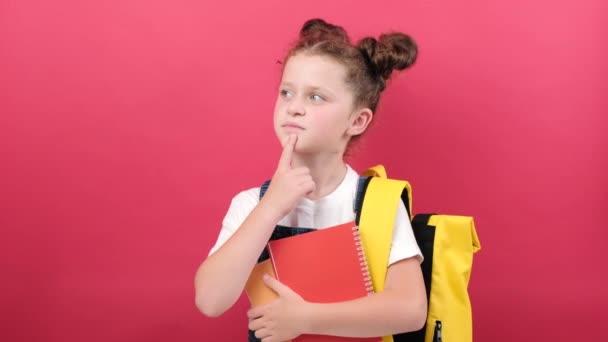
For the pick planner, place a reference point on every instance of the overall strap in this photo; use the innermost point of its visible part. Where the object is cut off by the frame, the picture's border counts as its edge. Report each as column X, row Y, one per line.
column 358, row 204
column 263, row 188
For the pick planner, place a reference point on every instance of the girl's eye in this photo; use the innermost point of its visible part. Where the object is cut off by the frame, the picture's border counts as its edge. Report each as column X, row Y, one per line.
column 285, row 93
column 316, row 98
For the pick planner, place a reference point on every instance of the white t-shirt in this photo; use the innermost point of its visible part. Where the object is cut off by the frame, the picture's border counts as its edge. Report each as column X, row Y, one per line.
column 333, row 209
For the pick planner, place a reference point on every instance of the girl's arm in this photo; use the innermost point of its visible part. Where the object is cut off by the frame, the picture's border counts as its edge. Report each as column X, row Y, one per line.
column 401, row 307
column 221, row 278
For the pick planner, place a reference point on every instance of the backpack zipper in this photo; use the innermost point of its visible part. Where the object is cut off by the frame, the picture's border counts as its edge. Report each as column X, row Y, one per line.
column 437, row 335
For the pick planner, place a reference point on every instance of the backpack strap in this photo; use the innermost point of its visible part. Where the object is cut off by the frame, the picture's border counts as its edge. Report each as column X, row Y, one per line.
column 375, row 171
column 376, row 207
column 380, row 172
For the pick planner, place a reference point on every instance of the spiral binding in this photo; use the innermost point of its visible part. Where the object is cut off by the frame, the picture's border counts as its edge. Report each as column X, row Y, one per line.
column 367, row 278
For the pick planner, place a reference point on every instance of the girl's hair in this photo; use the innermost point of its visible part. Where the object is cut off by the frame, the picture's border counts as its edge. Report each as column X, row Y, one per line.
column 369, row 63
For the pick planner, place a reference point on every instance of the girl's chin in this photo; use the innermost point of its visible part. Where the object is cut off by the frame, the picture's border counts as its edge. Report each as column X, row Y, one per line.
column 283, row 137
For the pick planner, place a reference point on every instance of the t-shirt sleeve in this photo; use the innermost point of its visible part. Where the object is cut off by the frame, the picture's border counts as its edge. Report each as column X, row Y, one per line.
column 240, row 207
column 404, row 243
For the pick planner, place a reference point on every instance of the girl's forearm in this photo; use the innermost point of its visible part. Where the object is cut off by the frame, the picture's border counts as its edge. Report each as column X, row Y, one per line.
column 385, row 313
column 221, row 278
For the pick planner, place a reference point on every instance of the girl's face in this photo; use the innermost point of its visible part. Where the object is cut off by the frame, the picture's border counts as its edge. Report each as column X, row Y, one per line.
column 314, row 103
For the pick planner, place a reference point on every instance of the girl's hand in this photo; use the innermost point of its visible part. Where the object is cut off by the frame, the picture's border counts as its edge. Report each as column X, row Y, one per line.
column 281, row 320
column 288, row 184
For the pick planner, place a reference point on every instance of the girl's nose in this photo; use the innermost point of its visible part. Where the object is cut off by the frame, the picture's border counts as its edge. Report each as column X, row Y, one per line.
column 296, row 107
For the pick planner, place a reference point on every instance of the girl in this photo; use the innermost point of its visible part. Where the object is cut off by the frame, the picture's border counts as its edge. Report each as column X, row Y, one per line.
column 327, row 98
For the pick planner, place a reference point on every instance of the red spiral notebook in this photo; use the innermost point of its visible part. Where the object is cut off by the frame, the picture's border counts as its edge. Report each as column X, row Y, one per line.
column 324, row 266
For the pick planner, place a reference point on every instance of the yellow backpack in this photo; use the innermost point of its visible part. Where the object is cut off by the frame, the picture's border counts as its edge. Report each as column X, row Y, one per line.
column 447, row 243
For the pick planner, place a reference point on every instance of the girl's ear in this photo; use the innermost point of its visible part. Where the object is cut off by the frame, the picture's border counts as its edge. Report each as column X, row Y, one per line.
column 360, row 120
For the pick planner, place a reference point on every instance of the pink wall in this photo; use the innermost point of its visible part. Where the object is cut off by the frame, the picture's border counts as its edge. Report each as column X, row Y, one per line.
column 127, row 126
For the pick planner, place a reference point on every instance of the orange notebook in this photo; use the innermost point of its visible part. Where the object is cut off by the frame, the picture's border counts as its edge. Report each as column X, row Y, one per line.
column 323, row 266
column 255, row 288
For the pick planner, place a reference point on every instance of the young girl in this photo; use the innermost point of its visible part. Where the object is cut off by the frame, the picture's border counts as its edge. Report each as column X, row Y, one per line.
column 327, row 97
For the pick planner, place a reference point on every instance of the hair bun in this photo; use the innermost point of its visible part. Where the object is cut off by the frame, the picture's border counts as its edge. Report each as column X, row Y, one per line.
column 392, row 51
column 320, row 30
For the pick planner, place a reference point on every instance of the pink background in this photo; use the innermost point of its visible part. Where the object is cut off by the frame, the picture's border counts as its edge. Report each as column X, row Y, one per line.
column 127, row 126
